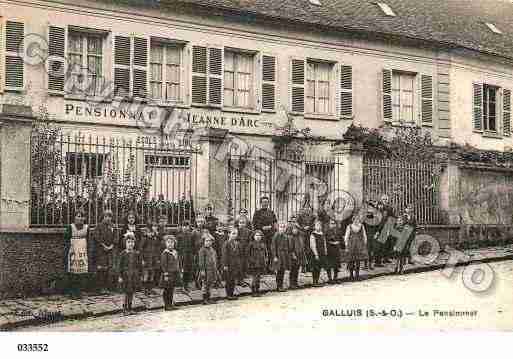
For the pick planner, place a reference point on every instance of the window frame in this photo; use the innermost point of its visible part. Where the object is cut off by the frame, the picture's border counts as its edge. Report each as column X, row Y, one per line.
column 333, row 90
column 416, row 97
column 253, row 95
column 85, row 36
column 181, row 46
column 486, row 107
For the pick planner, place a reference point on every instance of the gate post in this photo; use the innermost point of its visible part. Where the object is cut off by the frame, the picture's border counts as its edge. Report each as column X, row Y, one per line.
column 211, row 171
column 350, row 177
column 15, row 133
column 449, row 184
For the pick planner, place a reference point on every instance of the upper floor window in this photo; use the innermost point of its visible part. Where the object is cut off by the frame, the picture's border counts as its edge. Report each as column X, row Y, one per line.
column 490, row 108
column 238, row 79
column 166, row 72
column 403, row 85
column 318, row 87
column 85, row 54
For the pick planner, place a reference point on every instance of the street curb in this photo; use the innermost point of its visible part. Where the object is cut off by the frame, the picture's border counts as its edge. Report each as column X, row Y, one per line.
column 86, row 315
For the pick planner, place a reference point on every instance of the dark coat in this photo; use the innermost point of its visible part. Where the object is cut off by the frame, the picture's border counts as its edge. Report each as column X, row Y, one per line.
column 298, row 250
column 265, row 217
column 334, row 246
column 90, row 248
column 130, row 270
column 211, row 223
column 151, row 249
column 185, row 248
column 207, row 262
column 232, row 258
column 170, row 267
column 105, row 235
column 257, row 257
column 281, row 251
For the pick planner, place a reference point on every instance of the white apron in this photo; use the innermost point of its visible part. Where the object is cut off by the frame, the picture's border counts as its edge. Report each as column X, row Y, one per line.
column 77, row 259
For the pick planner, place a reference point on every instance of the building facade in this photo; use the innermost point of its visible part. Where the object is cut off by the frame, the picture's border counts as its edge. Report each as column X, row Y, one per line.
column 125, row 69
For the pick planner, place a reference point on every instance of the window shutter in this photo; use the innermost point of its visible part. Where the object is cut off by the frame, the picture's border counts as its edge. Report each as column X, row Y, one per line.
column 506, row 112
column 121, row 65
column 56, row 53
column 2, row 54
column 268, row 83
column 14, row 34
column 426, row 92
column 346, row 91
column 199, row 75
column 215, row 76
column 298, row 85
column 140, row 67
column 386, row 91
column 477, row 99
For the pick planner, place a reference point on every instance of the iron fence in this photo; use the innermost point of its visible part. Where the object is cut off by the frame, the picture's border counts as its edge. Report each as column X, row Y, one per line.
column 406, row 183
column 151, row 176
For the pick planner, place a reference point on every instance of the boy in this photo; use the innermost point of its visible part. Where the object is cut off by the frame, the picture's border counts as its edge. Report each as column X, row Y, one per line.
column 207, row 262
column 170, row 266
column 257, row 261
column 149, row 245
column 297, row 253
column 281, row 254
column 185, row 249
column 231, row 262
column 130, row 270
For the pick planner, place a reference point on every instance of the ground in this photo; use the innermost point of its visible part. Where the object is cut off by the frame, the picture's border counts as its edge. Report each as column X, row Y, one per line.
column 303, row 310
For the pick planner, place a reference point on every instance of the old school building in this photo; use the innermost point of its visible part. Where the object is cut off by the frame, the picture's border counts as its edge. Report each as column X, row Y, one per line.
column 113, row 71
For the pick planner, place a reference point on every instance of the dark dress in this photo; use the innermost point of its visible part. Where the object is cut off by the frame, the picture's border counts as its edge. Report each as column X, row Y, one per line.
column 356, row 247
column 262, row 218
column 244, row 239
column 150, row 247
column 281, row 251
column 207, row 261
column 232, row 258
column 104, row 235
column 185, row 248
column 130, row 270
column 333, row 249
column 298, row 250
column 220, row 238
column 170, row 266
column 257, row 257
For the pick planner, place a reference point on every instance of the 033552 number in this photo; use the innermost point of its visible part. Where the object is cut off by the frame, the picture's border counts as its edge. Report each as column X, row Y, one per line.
column 32, row 347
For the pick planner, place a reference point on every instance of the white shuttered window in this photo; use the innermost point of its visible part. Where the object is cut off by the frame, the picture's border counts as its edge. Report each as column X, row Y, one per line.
column 166, row 68
column 403, row 92
column 85, row 54
column 238, row 79
column 319, row 76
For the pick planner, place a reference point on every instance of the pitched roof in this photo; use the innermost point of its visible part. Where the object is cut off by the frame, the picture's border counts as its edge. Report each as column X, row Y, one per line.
column 459, row 23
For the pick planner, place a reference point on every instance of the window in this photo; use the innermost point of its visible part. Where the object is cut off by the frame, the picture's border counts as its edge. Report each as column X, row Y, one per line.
column 318, row 87
column 166, row 67
column 403, row 96
column 84, row 164
column 490, row 108
column 164, row 160
column 85, row 56
column 238, row 79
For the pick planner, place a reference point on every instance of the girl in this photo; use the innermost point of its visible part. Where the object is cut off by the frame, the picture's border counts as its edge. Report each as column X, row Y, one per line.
column 105, row 240
column 318, row 250
column 150, row 244
column 334, row 247
column 170, row 266
column 257, row 261
column 244, row 239
column 298, row 254
column 220, row 236
column 207, row 262
column 185, row 248
column 231, row 262
column 78, row 250
column 356, row 246
column 280, row 249
column 130, row 269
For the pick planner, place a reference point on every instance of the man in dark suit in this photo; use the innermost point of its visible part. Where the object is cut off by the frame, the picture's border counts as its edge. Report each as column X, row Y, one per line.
column 265, row 220
column 211, row 221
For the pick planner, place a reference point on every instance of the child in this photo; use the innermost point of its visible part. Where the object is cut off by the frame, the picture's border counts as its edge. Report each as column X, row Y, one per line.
column 231, row 262
column 244, row 238
column 257, row 261
column 220, row 236
column 170, row 266
column 130, row 269
column 334, row 238
column 401, row 248
column 78, row 253
column 319, row 251
column 159, row 246
column 149, row 245
column 297, row 253
column 131, row 226
column 281, row 254
column 185, row 249
column 356, row 246
column 105, row 239
column 207, row 262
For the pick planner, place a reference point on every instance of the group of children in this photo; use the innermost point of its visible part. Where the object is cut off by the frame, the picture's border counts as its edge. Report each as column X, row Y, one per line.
column 210, row 253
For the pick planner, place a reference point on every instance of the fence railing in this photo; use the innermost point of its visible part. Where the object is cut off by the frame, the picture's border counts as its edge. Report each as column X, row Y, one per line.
column 406, row 183
column 147, row 175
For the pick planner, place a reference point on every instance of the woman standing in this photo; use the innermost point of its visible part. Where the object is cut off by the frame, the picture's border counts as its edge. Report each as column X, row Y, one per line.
column 78, row 255
column 356, row 246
